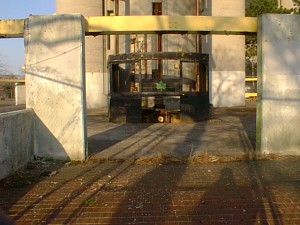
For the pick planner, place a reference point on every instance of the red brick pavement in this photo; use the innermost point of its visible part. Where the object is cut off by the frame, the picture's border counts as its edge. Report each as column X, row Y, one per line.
column 254, row 192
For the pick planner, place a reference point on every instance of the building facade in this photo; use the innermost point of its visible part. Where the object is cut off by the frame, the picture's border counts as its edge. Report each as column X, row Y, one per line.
column 227, row 53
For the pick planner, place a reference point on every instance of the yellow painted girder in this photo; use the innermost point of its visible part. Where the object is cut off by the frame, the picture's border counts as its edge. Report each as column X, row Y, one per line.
column 12, row 28
column 170, row 24
column 12, row 80
column 249, row 95
column 149, row 24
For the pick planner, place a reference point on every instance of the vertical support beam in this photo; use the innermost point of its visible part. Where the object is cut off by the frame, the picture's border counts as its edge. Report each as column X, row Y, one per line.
column 55, row 84
column 278, row 118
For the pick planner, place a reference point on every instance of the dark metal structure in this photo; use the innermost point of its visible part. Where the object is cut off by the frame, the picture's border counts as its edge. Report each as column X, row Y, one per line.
column 138, row 96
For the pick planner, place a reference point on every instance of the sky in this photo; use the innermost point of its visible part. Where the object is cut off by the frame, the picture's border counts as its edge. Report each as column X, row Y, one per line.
column 12, row 49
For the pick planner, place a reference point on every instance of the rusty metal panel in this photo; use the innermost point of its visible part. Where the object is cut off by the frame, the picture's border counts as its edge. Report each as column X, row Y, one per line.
column 125, row 109
column 194, row 107
column 130, row 57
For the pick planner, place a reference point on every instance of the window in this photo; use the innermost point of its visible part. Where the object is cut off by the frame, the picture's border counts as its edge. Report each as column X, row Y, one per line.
column 157, row 8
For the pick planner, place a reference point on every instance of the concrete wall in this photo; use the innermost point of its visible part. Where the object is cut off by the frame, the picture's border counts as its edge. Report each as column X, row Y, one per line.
column 55, row 84
column 227, row 57
column 20, row 94
column 278, row 118
column 286, row 3
column 95, row 61
column 16, row 141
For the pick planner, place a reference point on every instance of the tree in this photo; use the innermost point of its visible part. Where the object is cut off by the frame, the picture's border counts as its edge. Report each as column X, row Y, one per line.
column 258, row 7
column 3, row 67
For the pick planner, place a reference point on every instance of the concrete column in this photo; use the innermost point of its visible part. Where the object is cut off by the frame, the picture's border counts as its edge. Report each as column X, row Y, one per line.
column 227, row 57
column 55, row 84
column 95, row 50
column 278, row 108
column 20, row 94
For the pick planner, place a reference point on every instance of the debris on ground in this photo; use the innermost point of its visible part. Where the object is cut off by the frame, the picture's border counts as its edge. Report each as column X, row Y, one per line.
column 32, row 172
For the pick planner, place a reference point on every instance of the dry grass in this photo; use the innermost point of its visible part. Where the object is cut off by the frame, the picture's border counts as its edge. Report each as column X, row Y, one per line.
column 161, row 159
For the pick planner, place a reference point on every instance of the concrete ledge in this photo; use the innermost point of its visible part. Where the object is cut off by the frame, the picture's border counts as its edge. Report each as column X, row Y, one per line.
column 16, row 141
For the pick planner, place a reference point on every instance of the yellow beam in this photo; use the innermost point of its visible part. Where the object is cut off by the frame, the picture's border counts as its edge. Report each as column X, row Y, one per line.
column 12, row 80
column 251, row 79
column 149, row 24
column 170, row 24
column 248, row 95
column 12, row 28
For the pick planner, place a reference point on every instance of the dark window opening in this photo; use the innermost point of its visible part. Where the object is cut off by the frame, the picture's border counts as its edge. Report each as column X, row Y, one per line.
column 157, row 9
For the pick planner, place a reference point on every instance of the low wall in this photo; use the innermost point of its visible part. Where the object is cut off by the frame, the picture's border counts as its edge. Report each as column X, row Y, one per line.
column 20, row 94
column 16, row 141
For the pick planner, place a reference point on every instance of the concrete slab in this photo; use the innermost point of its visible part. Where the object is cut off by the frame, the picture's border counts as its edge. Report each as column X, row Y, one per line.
column 55, row 84
column 230, row 132
column 16, row 145
column 278, row 85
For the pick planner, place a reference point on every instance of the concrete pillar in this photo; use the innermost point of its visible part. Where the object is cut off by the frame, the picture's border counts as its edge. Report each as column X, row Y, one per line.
column 20, row 94
column 95, row 50
column 227, row 57
column 278, row 108
column 55, row 84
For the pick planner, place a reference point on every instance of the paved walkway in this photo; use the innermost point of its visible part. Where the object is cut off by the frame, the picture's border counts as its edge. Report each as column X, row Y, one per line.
column 229, row 133
column 160, row 174
column 245, row 192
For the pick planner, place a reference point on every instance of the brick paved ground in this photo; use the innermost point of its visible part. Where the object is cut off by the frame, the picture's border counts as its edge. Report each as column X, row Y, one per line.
column 245, row 192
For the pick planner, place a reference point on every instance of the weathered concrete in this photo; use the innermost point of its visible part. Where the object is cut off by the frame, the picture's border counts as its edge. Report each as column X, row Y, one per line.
column 227, row 57
column 230, row 133
column 95, row 53
column 278, row 119
column 54, row 46
column 16, row 141
column 20, row 94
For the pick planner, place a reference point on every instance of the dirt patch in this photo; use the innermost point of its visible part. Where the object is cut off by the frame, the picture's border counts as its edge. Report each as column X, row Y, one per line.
column 32, row 173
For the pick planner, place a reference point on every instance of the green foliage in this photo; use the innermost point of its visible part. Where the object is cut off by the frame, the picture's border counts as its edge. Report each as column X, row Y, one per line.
column 8, row 89
column 258, row 7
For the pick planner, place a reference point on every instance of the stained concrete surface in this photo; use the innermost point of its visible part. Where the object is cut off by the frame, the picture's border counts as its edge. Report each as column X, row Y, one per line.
column 229, row 132
column 9, row 105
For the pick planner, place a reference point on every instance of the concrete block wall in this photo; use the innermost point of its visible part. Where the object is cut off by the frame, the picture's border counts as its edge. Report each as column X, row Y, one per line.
column 95, row 56
column 20, row 94
column 227, row 57
column 278, row 118
column 55, row 84
column 16, row 141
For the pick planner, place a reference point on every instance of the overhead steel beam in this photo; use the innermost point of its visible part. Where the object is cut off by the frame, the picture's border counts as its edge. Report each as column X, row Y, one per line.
column 149, row 25
column 170, row 24
column 12, row 28
column 12, row 80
